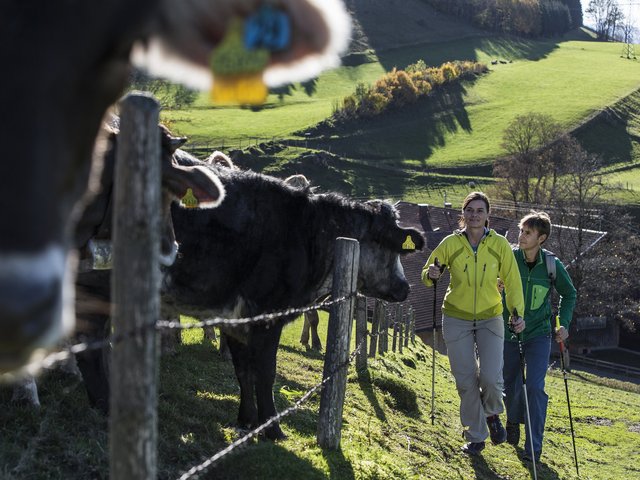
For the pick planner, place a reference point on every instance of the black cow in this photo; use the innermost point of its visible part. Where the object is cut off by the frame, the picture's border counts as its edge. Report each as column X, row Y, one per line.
column 64, row 64
column 269, row 247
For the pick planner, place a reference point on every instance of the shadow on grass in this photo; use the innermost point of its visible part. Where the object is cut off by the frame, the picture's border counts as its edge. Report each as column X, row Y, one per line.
column 413, row 131
column 544, row 471
column 267, row 459
column 340, row 468
column 499, row 48
column 365, row 381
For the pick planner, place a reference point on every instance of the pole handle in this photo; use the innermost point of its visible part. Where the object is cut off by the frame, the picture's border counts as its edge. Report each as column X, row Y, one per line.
column 558, row 326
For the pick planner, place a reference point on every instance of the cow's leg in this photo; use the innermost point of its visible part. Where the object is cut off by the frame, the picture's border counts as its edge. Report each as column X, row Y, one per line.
column 240, row 355
column 304, row 337
column 314, row 320
column 25, row 392
column 170, row 339
column 264, row 347
column 94, row 364
column 210, row 333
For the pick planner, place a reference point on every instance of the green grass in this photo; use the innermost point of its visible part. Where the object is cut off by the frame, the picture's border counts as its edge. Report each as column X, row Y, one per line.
column 457, row 130
column 386, row 433
column 570, row 80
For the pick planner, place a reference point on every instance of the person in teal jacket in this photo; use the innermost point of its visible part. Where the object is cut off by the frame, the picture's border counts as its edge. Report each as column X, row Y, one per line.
column 535, row 229
column 472, row 324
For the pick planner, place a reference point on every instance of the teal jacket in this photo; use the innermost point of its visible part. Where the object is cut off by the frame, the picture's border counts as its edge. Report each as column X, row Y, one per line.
column 537, row 297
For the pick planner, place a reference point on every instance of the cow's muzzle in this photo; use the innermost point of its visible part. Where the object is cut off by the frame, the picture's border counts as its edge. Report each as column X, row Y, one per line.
column 31, row 305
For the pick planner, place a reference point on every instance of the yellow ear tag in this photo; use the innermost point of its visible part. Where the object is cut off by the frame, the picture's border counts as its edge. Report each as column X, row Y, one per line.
column 189, row 200
column 237, row 71
column 408, row 244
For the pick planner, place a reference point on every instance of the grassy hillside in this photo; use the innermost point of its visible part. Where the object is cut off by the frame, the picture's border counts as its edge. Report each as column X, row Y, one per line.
column 572, row 79
column 387, row 432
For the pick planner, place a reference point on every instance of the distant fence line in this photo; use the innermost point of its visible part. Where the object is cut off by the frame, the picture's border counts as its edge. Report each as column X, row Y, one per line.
column 604, row 365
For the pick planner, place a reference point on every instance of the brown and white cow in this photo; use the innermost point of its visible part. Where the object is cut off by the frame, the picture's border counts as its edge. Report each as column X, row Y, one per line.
column 64, row 64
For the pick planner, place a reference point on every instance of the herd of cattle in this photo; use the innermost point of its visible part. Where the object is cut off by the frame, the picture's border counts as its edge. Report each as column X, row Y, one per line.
column 255, row 244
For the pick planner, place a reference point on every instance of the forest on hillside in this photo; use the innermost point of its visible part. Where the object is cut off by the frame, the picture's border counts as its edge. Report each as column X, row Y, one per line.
column 531, row 18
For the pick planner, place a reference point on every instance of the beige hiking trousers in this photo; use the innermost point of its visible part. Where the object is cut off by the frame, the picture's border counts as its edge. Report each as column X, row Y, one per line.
column 475, row 349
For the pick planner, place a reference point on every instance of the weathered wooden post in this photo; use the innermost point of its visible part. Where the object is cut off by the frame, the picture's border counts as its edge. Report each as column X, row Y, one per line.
column 361, row 333
column 135, row 283
column 384, row 330
column 400, row 322
column 412, row 323
column 406, row 320
column 395, row 336
column 376, row 321
column 345, row 277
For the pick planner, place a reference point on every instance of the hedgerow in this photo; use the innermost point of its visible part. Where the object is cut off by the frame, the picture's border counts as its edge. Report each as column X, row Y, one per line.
column 398, row 88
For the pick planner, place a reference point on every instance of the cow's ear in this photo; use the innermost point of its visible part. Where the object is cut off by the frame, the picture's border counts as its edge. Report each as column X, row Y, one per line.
column 176, row 143
column 170, row 142
column 194, row 186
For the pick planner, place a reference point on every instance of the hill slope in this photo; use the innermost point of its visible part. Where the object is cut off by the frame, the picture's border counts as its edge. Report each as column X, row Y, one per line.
column 570, row 78
column 387, row 433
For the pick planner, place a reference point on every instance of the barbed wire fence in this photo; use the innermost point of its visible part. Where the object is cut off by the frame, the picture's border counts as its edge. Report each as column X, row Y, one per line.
column 133, row 346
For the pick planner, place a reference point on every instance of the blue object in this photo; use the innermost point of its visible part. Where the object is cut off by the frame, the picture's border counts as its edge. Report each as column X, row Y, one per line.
column 536, row 354
column 268, row 28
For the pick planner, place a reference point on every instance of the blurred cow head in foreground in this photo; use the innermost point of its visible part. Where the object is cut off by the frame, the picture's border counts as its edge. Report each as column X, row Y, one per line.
column 65, row 64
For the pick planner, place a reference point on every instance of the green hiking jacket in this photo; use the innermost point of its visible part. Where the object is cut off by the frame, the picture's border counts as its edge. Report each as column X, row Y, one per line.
column 473, row 291
column 537, row 297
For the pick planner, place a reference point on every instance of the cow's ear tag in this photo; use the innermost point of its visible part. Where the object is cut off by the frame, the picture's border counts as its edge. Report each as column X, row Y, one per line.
column 268, row 28
column 408, row 244
column 189, row 200
column 237, row 70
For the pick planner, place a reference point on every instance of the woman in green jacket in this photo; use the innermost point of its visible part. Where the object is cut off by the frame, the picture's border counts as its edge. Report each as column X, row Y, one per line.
column 535, row 229
column 476, row 257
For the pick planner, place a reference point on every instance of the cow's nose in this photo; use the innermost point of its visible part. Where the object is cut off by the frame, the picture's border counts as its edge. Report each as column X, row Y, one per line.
column 28, row 310
column 401, row 291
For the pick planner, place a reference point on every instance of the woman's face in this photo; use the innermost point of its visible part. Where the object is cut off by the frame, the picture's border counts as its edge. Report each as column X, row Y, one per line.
column 475, row 214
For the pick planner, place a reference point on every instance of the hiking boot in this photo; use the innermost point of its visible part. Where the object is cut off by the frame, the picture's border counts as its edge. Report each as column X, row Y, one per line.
column 473, row 448
column 513, row 433
column 527, row 456
column 496, row 431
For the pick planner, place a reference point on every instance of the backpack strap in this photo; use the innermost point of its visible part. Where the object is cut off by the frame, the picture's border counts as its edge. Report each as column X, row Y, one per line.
column 550, row 262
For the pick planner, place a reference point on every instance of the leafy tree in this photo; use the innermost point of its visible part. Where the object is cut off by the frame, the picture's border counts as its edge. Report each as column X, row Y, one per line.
column 169, row 95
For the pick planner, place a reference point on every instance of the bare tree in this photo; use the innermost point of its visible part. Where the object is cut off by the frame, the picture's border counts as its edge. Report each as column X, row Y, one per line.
column 607, row 16
column 528, row 169
column 577, row 199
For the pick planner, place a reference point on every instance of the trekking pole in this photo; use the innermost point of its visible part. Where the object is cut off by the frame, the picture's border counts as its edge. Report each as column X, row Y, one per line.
column 566, row 389
column 526, row 397
column 433, row 355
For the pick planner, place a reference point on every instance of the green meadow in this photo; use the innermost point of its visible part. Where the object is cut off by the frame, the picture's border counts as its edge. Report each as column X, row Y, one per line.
column 457, row 130
column 387, row 431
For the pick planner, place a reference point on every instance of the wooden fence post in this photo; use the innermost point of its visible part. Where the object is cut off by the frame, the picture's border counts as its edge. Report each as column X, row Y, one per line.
column 135, row 283
column 400, row 322
column 384, row 329
column 376, row 321
column 406, row 321
column 412, row 323
column 345, row 277
column 395, row 336
column 361, row 333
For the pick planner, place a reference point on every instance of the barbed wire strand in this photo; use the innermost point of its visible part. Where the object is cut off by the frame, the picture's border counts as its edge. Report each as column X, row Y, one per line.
column 198, row 469
column 51, row 359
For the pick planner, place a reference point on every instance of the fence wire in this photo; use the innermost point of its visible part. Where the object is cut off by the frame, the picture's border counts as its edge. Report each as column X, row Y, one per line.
column 198, row 469
column 62, row 355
